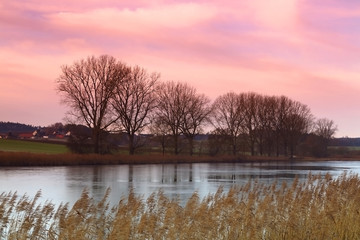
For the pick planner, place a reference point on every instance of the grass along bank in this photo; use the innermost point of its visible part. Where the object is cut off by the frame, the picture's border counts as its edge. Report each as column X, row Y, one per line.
column 32, row 153
column 320, row 208
column 71, row 159
column 17, row 159
column 11, row 145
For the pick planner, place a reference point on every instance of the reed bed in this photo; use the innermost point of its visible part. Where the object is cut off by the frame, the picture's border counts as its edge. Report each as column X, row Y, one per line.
column 319, row 208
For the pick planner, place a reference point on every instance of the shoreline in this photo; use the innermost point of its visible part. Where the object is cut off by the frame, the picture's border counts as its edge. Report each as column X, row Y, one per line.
column 24, row 159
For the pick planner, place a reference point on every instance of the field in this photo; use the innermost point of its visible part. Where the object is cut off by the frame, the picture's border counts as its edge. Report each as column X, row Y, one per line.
column 33, row 153
column 349, row 148
column 9, row 145
column 320, row 208
column 349, row 151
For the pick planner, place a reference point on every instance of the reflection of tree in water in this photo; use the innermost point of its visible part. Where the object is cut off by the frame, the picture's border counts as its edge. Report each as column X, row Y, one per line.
column 191, row 173
column 97, row 179
column 97, row 187
column 266, row 172
column 131, row 172
column 175, row 173
column 162, row 173
column 84, row 178
column 145, row 179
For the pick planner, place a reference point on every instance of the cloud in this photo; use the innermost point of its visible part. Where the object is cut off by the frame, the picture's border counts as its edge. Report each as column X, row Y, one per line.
column 140, row 20
column 290, row 47
column 52, row 6
column 276, row 14
column 28, row 88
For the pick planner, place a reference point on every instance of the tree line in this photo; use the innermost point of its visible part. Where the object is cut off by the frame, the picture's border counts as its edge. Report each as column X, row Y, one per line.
column 108, row 95
column 12, row 127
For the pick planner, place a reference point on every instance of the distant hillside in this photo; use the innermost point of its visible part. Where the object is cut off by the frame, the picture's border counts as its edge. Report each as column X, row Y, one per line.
column 6, row 127
column 353, row 142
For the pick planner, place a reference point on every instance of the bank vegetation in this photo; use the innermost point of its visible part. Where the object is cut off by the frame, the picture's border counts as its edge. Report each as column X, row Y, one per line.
column 23, row 159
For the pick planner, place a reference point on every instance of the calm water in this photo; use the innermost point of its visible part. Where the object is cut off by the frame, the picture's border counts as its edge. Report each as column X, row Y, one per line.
column 65, row 184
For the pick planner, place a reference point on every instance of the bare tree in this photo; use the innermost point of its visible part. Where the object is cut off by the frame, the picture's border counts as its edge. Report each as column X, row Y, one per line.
column 282, row 106
column 173, row 100
column 262, row 120
column 228, row 117
column 161, row 133
column 297, row 122
column 133, row 102
column 325, row 128
column 252, row 102
column 264, row 133
column 87, row 87
column 196, row 115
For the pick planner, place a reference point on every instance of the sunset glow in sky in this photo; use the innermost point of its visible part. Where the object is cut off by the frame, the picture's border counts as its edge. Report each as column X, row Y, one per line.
column 308, row 50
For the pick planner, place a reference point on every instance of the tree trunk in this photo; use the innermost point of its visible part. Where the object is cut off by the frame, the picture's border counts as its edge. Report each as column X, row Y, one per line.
column 176, row 144
column 277, row 145
column 261, row 149
column 269, row 147
column 131, row 144
column 292, row 151
column 260, row 144
column 234, row 146
column 96, row 140
column 163, row 144
column 191, row 145
column 285, row 149
column 252, row 147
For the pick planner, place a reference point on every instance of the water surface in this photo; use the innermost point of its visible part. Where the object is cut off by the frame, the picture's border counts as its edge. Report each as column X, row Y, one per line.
column 65, row 184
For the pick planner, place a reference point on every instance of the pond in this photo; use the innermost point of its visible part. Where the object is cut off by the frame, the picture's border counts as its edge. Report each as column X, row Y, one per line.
column 65, row 184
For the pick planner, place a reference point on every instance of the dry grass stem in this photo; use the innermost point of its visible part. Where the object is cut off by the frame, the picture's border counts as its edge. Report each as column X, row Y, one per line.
column 319, row 208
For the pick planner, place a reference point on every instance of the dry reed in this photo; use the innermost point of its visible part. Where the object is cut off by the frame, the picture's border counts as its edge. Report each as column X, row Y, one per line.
column 320, row 208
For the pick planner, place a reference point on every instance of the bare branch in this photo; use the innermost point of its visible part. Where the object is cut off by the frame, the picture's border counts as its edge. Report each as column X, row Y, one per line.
column 87, row 87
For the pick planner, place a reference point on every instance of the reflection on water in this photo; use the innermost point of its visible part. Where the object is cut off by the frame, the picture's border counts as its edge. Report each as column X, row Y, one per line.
column 65, row 184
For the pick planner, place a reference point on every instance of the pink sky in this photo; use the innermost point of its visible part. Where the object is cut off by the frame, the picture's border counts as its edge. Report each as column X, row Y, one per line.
column 306, row 50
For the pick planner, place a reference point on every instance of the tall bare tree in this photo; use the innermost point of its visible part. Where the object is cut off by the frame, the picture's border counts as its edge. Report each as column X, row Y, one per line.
column 252, row 102
column 196, row 116
column 282, row 107
column 161, row 132
column 325, row 128
column 173, row 99
column 133, row 102
column 87, row 87
column 228, row 117
column 267, row 124
column 297, row 122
